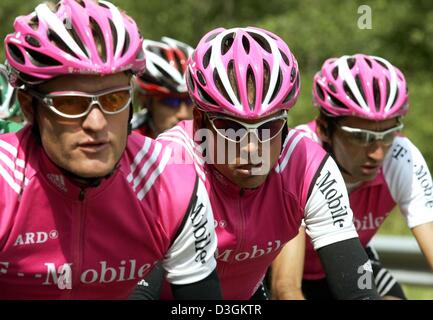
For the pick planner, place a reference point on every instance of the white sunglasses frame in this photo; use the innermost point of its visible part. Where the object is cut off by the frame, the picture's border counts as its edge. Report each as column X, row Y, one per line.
column 248, row 126
column 378, row 135
column 47, row 100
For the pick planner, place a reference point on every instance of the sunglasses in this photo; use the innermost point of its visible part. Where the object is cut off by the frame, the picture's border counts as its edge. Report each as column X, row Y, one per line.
column 365, row 138
column 175, row 102
column 76, row 104
column 235, row 130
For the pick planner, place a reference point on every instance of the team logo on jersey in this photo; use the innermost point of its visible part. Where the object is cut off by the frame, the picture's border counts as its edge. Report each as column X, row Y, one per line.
column 37, row 237
column 368, row 222
column 426, row 184
column 255, row 252
column 201, row 233
column 333, row 198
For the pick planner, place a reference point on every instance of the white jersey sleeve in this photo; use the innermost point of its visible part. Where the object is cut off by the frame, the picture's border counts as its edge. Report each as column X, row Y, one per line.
column 328, row 217
column 409, row 181
column 191, row 256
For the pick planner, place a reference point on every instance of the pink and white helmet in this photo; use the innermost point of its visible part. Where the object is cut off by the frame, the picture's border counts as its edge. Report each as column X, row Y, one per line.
column 244, row 72
column 362, row 86
column 77, row 36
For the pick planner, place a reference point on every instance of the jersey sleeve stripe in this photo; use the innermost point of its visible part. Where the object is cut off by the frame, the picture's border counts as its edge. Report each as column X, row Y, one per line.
column 181, row 139
column 8, row 178
column 140, row 155
column 289, row 152
column 180, row 132
column 147, row 165
column 9, row 148
column 193, row 156
column 155, row 174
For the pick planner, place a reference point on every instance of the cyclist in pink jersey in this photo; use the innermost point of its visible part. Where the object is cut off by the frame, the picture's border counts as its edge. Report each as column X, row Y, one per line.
column 161, row 90
column 242, row 82
column 362, row 100
column 85, row 208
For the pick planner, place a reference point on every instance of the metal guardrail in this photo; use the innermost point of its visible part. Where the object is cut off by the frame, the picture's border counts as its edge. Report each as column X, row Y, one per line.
column 403, row 258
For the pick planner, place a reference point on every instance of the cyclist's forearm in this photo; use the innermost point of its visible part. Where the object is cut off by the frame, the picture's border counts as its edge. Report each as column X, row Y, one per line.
column 348, row 270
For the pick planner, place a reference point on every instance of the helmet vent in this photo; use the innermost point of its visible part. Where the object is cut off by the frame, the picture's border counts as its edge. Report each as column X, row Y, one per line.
column 293, row 74
column 332, row 87
column 41, row 60
column 32, row 41
column 103, row 5
column 351, row 62
column 287, row 62
column 98, row 37
column 34, row 23
column 232, row 77
column 381, row 63
column 251, row 88
column 113, row 33
column 246, row 44
column 320, row 92
column 81, row 3
column 349, row 92
column 292, row 92
column 368, row 61
column 395, row 98
column 77, row 39
column 190, row 81
column 261, row 41
column 336, row 102
column 266, row 79
column 335, row 73
column 205, row 96
column 201, row 78
column 220, row 86
column 361, row 88
column 59, row 43
column 227, row 43
column 206, row 58
column 126, row 44
column 16, row 53
column 376, row 91
column 277, row 85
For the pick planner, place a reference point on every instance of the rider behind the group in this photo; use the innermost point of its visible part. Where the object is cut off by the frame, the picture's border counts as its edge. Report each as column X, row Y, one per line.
column 362, row 100
column 161, row 91
column 10, row 114
column 243, row 81
column 87, row 209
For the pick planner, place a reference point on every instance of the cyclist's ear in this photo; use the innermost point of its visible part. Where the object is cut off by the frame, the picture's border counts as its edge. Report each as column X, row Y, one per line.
column 323, row 131
column 27, row 105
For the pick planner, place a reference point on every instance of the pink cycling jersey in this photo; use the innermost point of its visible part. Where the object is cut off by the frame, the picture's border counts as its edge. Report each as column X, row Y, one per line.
column 59, row 241
column 404, row 180
column 253, row 225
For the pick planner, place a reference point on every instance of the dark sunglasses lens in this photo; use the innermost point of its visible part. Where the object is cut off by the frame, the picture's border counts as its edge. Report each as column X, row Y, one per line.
column 115, row 101
column 171, row 102
column 71, row 105
column 230, row 129
column 270, row 129
column 175, row 102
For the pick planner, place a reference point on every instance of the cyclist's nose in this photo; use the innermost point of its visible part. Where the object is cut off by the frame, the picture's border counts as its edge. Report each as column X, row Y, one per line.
column 250, row 144
column 377, row 151
column 95, row 119
column 184, row 112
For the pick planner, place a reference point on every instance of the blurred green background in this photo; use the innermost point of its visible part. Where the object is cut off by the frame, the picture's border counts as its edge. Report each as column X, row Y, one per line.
column 401, row 31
